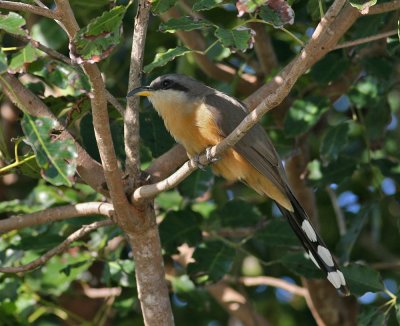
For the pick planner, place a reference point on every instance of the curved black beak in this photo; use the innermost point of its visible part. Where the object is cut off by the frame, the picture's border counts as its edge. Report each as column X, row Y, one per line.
column 140, row 91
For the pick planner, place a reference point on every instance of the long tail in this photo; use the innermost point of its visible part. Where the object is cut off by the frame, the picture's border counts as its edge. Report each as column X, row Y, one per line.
column 314, row 245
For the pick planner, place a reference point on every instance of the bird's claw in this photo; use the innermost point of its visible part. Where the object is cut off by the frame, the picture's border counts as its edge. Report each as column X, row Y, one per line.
column 209, row 157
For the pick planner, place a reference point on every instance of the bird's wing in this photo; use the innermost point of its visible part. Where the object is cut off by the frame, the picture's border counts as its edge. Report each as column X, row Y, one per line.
column 255, row 146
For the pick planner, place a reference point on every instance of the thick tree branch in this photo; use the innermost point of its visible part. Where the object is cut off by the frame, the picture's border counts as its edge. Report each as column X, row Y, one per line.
column 101, row 125
column 57, row 250
column 384, row 7
column 131, row 117
column 18, row 6
column 89, row 170
column 56, row 214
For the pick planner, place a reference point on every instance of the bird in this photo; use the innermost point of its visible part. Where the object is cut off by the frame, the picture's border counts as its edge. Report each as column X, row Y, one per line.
column 199, row 117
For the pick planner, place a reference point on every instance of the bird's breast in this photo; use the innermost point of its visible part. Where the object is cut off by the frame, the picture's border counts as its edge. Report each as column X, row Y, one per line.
column 193, row 127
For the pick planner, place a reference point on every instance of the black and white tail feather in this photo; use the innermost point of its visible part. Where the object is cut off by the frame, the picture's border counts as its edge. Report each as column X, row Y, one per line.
column 313, row 244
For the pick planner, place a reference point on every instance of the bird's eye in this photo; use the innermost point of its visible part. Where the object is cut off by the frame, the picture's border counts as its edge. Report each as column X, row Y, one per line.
column 166, row 83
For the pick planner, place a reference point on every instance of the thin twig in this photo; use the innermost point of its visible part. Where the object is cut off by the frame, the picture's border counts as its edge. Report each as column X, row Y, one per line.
column 366, row 40
column 57, row 250
column 387, row 265
column 275, row 282
column 56, row 214
column 18, row 6
column 341, row 221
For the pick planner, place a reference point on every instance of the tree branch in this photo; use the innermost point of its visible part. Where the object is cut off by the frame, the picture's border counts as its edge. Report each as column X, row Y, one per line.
column 384, row 7
column 56, row 214
column 18, row 6
column 236, row 304
column 57, row 250
column 101, row 125
column 131, row 117
column 275, row 282
column 366, row 40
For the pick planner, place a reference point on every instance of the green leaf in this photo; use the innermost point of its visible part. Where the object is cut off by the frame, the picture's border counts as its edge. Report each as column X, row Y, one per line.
column 153, row 133
column 237, row 213
column 183, row 24
column 161, row 59
column 376, row 121
column 335, row 172
column 348, row 240
column 19, row 61
column 197, row 184
column 56, row 157
column 248, row 6
column 213, row 259
column 370, row 316
column 160, row 6
column 398, row 313
column 235, row 39
column 330, row 68
column 298, row 264
column 304, row 114
column 12, row 23
column 278, row 13
column 333, row 141
column 278, row 233
column 178, row 228
column 96, row 41
column 363, row 5
column 362, row 279
column 3, row 62
column 206, row 4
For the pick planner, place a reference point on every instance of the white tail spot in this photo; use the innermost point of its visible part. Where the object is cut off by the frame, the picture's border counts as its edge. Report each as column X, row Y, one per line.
column 313, row 259
column 334, row 278
column 325, row 255
column 309, row 230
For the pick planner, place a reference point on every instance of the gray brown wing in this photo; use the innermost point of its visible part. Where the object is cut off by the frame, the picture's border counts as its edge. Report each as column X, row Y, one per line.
column 255, row 146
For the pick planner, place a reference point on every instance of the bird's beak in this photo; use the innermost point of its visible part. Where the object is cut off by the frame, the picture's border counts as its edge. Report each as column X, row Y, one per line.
column 140, row 91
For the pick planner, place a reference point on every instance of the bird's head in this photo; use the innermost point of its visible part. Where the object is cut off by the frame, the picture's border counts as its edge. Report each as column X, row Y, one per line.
column 173, row 90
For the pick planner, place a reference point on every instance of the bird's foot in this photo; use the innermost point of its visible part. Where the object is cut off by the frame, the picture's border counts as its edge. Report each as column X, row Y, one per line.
column 210, row 159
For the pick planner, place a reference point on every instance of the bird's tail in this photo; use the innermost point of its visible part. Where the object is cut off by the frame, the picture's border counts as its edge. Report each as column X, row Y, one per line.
column 313, row 244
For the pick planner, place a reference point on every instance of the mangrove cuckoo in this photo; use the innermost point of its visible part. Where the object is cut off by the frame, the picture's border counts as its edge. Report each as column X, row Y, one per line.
column 199, row 117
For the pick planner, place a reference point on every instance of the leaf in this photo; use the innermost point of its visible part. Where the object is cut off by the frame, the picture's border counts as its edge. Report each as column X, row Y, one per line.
column 335, row 172
column 278, row 13
column 213, row 259
column 56, row 157
column 376, row 121
column 160, row 6
column 20, row 61
column 348, row 240
column 153, row 133
column 96, row 41
column 235, row 39
column 398, row 313
column 180, row 227
column 333, row 141
column 3, row 62
column 277, row 233
column 197, row 184
column 362, row 279
column 304, row 114
column 237, row 213
column 370, row 316
column 298, row 264
column 206, row 4
column 362, row 5
column 248, row 6
column 330, row 68
column 183, row 24
column 12, row 23
column 161, row 59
